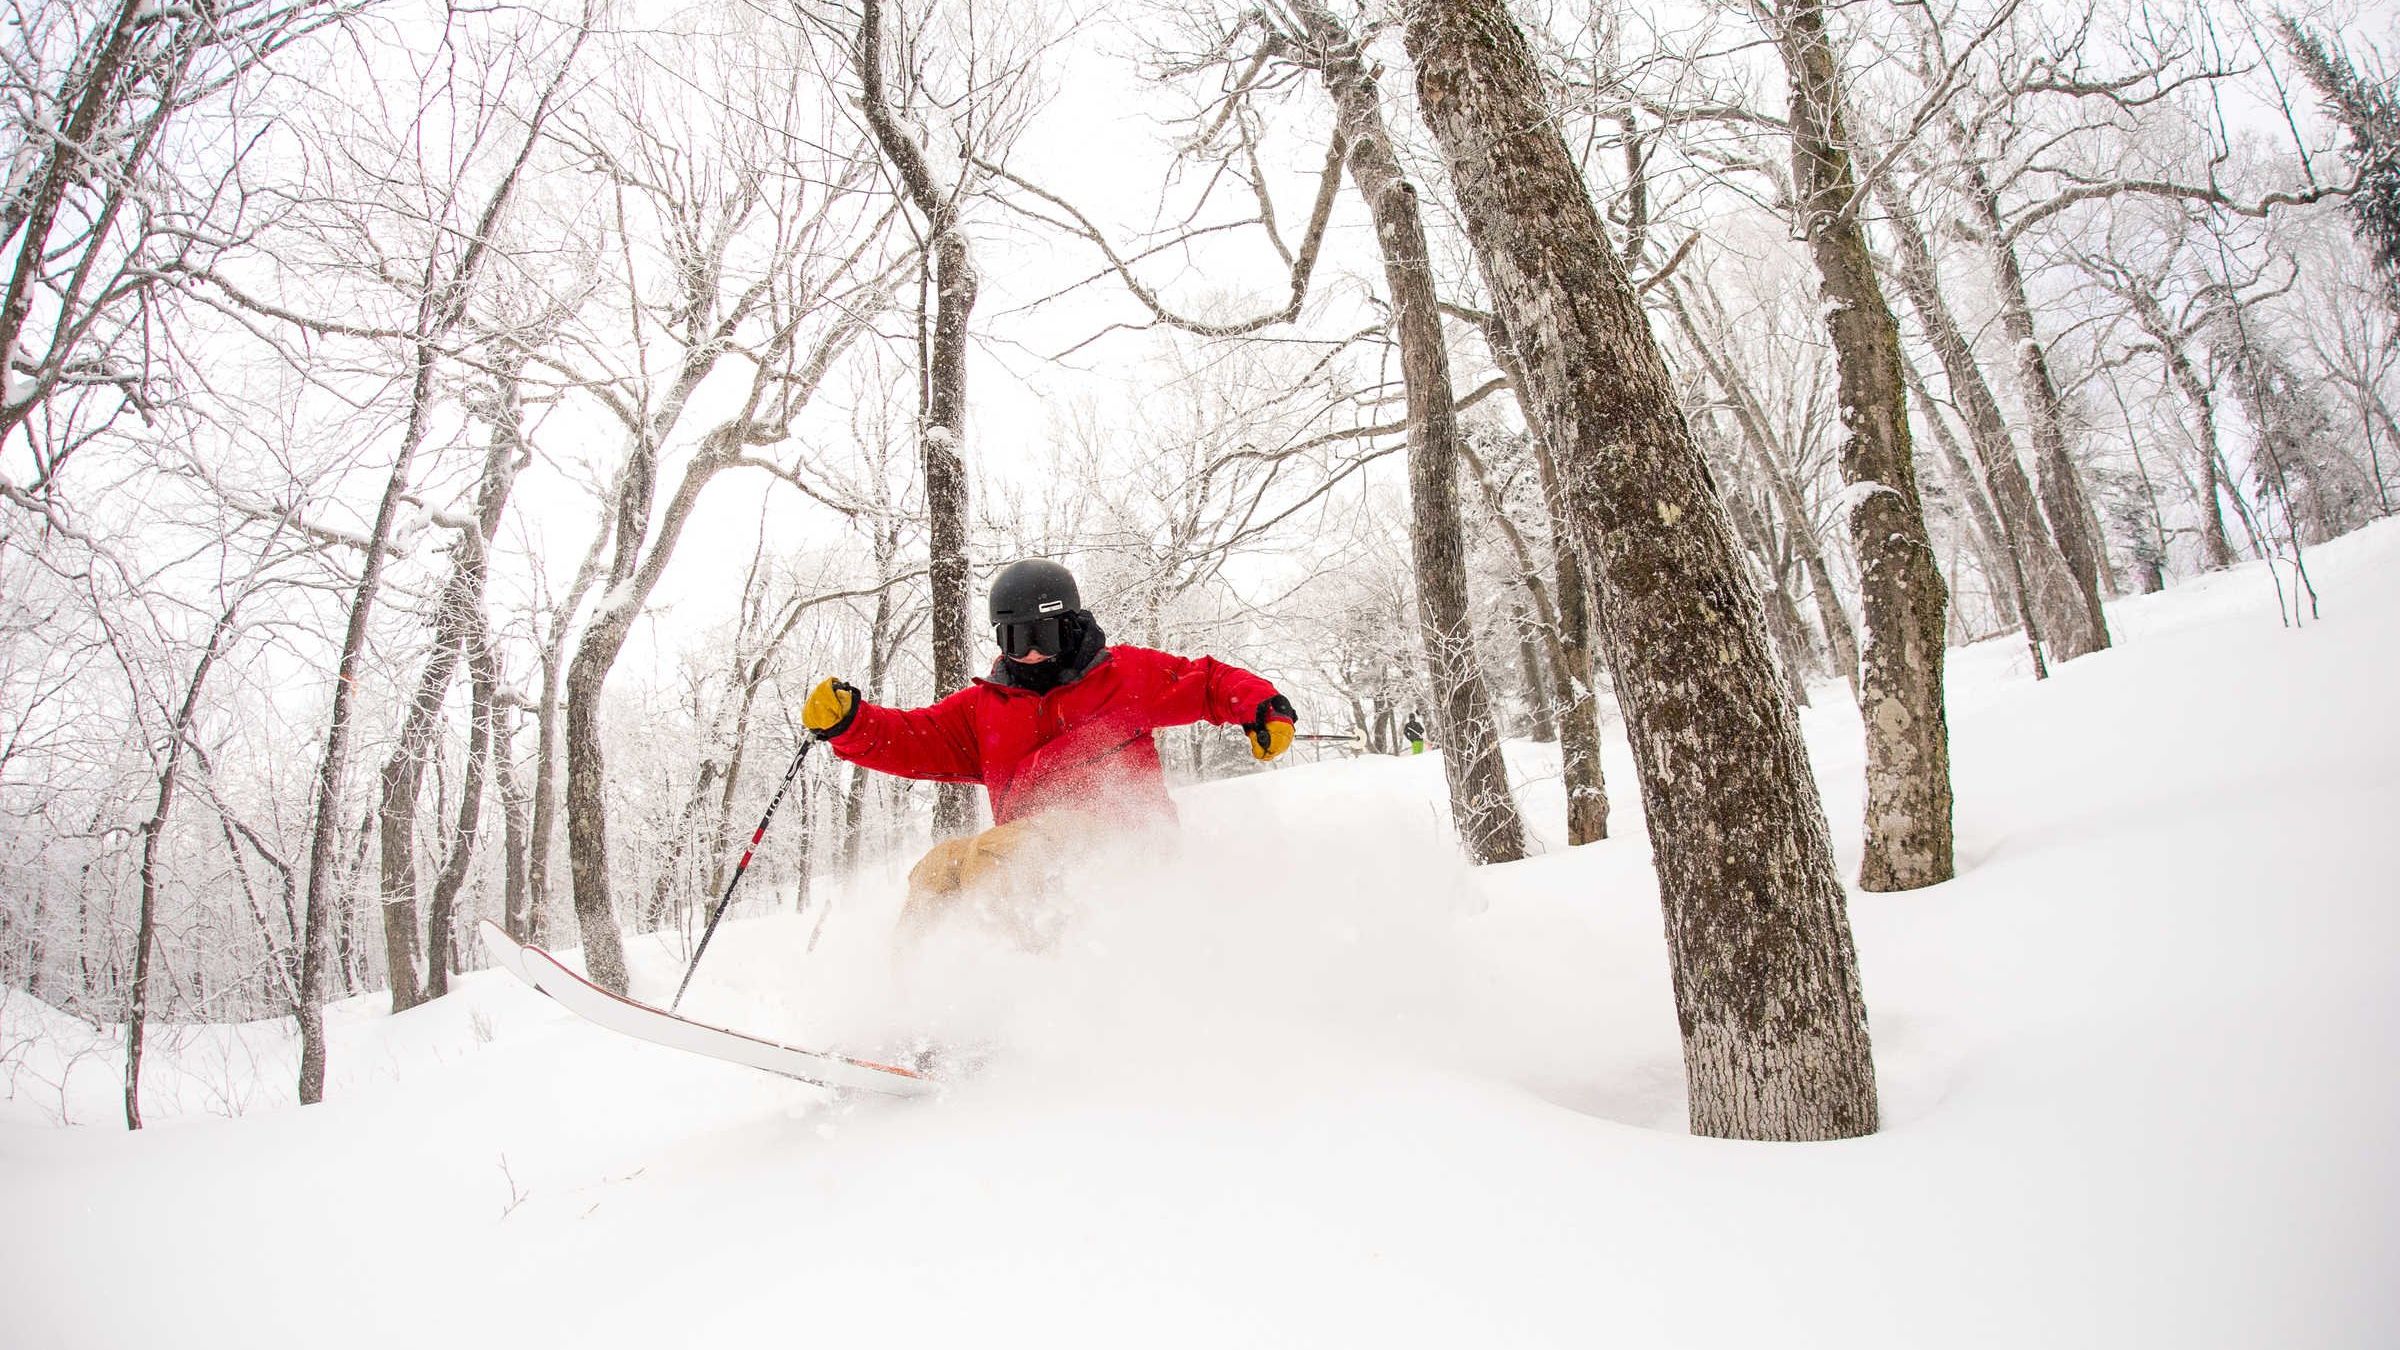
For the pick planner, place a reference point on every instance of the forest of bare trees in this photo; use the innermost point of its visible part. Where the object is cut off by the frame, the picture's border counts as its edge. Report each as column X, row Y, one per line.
column 441, row 446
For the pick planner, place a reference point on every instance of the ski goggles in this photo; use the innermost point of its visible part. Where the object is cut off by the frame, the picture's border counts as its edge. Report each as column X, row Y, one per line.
column 1025, row 637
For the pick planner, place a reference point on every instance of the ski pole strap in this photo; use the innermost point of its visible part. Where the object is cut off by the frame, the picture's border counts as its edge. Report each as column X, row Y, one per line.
column 807, row 743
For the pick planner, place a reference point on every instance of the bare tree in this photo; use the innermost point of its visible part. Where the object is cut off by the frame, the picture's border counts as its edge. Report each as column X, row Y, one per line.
column 549, row 723
column 445, row 286
column 170, row 761
column 1909, row 842
column 101, row 218
column 1766, row 978
column 1768, row 462
column 2144, row 293
column 1487, row 818
column 2054, row 603
column 985, row 124
column 808, row 280
column 460, row 633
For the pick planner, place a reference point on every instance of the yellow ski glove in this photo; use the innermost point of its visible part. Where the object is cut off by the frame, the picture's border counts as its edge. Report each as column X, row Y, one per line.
column 829, row 709
column 1271, row 729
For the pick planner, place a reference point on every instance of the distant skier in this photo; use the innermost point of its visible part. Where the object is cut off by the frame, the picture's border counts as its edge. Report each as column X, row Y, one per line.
column 1413, row 731
column 1059, row 735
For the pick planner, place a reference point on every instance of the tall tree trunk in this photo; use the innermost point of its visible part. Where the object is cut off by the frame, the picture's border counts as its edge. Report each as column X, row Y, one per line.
column 1766, row 978
column 396, row 815
column 1578, row 699
column 854, row 804
column 943, row 439
column 1572, row 660
column 1909, row 842
column 145, row 937
column 639, row 559
column 2069, row 509
column 2055, row 608
column 945, row 469
column 441, row 926
column 1487, row 817
column 458, row 629
column 549, row 726
column 1541, row 720
column 632, row 576
column 443, row 303
column 334, row 762
column 587, row 813
column 351, row 968
column 516, row 842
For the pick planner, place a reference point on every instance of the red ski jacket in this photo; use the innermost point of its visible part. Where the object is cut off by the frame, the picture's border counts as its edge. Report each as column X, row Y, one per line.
column 1085, row 744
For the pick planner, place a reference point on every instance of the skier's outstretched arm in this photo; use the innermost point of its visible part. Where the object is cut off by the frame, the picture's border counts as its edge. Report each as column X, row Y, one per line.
column 1204, row 689
column 937, row 742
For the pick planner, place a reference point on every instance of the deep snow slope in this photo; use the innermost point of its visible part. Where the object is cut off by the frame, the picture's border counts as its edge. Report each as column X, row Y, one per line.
column 1303, row 1079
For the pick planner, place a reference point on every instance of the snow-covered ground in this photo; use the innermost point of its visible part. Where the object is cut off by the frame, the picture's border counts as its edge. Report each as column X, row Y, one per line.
column 1306, row 1080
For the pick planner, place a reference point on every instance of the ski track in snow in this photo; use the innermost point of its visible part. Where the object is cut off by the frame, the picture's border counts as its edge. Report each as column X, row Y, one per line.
column 1304, row 1080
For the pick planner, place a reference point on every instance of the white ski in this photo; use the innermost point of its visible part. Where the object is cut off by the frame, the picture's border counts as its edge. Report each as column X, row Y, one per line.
column 660, row 1027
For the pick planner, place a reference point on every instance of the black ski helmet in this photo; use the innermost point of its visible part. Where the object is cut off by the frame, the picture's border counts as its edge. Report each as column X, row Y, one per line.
column 1035, row 588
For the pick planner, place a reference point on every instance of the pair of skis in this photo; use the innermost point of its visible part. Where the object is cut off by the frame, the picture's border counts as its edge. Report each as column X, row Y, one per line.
column 629, row 1017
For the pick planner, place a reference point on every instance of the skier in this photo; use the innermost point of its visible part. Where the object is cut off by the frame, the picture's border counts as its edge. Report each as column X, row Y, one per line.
column 1059, row 735
column 1414, row 733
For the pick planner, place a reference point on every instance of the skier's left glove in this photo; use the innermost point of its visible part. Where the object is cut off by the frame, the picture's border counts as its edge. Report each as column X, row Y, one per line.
column 831, row 707
column 1271, row 728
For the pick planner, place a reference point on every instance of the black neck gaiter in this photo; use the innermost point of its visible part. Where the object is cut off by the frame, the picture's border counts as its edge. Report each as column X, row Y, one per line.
column 1084, row 643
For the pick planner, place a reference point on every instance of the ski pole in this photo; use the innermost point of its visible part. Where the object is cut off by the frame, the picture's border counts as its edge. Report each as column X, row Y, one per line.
column 807, row 743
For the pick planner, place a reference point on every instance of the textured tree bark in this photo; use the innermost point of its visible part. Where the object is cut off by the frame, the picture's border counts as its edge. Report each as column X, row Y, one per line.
column 2055, row 599
column 549, row 728
column 441, row 950
column 1903, row 602
column 2069, row 509
column 1469, row 730
column 945, row 468
column 587, row 815
column 943, row 441
column 1572, row 662
column 396, row 813
column 1579, row 700
column 1766, row 978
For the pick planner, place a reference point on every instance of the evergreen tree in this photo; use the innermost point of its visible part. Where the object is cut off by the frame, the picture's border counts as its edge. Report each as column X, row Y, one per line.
column 2370, row 110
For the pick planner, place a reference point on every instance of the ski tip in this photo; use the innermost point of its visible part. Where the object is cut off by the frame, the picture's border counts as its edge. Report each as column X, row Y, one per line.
column 506, row 952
